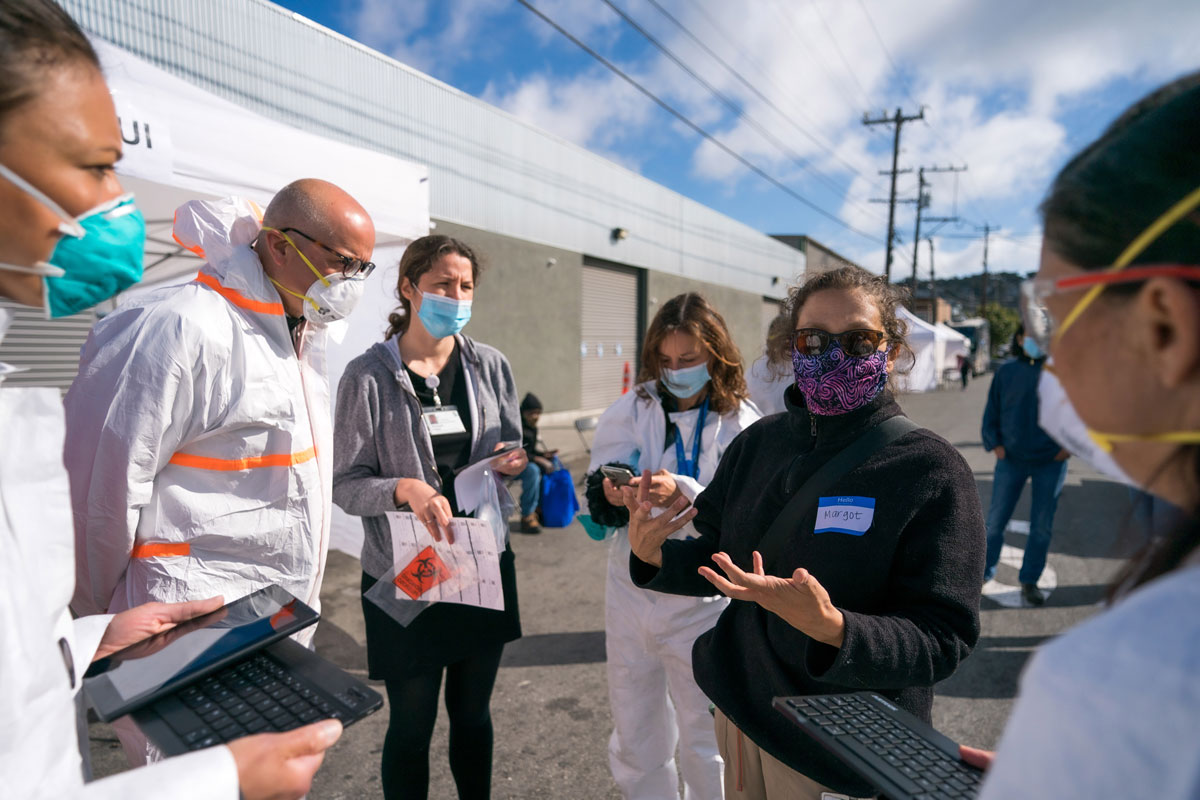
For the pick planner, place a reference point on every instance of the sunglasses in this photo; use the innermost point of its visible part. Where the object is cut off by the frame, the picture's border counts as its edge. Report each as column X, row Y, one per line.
column 351, row 267
column 859, row 343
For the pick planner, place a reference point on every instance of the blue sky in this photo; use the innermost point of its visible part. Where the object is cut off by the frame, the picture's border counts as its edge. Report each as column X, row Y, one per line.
column 1011, row 89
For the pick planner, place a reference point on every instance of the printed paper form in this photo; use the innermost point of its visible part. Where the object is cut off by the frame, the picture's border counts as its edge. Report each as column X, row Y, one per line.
column 466, row 572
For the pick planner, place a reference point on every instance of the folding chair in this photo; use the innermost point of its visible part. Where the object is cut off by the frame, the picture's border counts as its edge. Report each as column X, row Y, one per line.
column 583, row 425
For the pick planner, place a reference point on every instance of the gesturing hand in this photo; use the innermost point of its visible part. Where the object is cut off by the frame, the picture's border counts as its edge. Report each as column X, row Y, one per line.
column 646, row 533
column 141, row 622
column 800, row 600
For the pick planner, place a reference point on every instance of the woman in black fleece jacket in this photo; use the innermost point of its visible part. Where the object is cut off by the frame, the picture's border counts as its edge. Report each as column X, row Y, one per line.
column 902, row 604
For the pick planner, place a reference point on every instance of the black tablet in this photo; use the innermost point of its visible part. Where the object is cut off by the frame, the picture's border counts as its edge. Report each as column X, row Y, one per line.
column 141, row 673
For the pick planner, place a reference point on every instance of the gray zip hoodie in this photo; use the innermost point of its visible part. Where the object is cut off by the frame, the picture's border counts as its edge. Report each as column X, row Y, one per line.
column 379, row 435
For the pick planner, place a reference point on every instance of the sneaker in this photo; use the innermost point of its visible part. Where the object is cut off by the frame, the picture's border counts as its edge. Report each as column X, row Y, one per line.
column 1032, row 595
column 530, row 524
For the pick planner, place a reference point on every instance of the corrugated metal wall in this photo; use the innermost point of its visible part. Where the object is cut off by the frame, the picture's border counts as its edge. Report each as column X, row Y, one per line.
column 609, row 306
column 46, row 350
column 488, row 169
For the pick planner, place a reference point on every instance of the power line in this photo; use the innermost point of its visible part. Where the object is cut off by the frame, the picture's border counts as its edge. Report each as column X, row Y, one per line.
column 833, row 41
column 726, row 101
column 828, row 148
column 688, row 122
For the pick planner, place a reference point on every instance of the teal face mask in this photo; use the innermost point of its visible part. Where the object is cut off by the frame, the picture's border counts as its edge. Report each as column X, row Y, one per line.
column 443, row 316
column 99, row 254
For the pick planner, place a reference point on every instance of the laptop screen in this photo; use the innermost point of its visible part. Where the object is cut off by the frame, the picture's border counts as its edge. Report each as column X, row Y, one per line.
column 143, row 672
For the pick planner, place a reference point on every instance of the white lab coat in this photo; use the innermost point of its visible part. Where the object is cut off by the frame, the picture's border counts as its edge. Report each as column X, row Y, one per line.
column 766, row 388
column 39, row 740
column 200, row 445
column 649, row 635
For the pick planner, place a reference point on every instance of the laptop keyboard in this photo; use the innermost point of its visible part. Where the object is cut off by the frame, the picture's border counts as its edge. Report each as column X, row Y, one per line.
column 255, row 696
column 926, row 772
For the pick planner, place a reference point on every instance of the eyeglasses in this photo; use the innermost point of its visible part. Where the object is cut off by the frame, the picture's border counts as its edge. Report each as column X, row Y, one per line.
column 1041, row 324
column 814, row 341
column 351, row 267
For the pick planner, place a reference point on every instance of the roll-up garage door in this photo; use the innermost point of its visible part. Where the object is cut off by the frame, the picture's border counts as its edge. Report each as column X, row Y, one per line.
column 609, row 348
column 47, row 350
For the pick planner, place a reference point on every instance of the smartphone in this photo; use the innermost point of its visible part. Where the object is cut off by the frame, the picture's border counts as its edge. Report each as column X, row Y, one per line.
column 618, row 475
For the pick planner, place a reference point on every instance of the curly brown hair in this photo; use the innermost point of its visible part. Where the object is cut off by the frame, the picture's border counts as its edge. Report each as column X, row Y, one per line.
column 888, row 298
column 419, row 257
column 690, row 313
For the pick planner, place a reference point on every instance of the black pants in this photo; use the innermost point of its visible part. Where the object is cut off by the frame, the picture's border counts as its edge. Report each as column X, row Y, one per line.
column 413, row 704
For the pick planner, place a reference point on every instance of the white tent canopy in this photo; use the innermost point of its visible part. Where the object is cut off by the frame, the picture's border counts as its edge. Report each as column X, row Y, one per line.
column 183, row 143
column 935, row 349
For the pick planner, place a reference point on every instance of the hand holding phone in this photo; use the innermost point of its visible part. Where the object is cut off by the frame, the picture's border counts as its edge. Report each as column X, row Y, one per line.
column 619, row 476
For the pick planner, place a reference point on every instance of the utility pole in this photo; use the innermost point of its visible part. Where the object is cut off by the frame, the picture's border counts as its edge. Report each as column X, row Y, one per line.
column 932, row 285
column 987, row 229
column 922, row 203
column 898, row 121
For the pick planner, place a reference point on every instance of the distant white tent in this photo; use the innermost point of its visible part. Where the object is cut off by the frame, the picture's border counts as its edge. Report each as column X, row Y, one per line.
column 935, row 349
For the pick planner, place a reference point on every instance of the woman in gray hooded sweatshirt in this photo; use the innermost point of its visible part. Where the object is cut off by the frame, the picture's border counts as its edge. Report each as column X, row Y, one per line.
column 410, row 411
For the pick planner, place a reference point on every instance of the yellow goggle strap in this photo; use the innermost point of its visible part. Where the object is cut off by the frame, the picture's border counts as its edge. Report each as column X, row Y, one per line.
column 316, row 271
column 303, row 297
column 1135, row 248
column 1106, row 440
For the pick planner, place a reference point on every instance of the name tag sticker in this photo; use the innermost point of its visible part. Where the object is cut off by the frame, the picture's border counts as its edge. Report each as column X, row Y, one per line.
column 443, row 420
column 852, row 515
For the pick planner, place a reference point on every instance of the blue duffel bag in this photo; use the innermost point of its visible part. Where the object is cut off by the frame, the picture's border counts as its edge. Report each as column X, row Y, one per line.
column 559, row 503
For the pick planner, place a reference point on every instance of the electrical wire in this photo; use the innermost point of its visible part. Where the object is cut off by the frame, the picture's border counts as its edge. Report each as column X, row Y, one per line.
column 812, row 137
column 695, row 127
column 731, row 105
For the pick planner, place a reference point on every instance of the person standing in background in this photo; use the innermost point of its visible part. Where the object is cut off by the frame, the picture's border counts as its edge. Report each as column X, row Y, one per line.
column 1024, row 452
column 771, row 374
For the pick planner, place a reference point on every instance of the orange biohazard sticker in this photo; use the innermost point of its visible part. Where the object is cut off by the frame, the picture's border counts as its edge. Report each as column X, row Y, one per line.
column 423, row 573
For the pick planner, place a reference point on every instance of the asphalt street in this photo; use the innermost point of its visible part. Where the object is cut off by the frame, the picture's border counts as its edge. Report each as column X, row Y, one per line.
column 550, row 705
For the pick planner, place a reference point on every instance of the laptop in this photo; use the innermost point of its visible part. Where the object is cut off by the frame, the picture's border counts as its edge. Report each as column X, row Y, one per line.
column 898, row 754
column 227, row 674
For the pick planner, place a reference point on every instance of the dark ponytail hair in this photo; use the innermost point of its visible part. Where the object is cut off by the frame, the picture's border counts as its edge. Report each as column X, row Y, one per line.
column 36, row 36
column 419, row 257
column 1146, row 161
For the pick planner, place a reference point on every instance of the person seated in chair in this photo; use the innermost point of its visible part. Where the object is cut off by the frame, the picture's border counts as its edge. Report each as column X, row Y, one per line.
column 540, row 461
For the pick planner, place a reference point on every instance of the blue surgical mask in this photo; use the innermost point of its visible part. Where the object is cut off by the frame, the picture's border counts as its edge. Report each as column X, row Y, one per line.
column 1030, row 346
column 443, row 316
column 99, row 254
column 685, row 382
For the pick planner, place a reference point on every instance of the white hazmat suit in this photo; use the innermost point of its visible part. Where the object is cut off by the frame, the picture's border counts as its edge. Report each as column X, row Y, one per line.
column 43, row 652
column 200, row 439
column 655, row 701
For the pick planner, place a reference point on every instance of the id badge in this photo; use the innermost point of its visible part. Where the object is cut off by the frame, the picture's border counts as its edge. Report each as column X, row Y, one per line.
column 442, row 420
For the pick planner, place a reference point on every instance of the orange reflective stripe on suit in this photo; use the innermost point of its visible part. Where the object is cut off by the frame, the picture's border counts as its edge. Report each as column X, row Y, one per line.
column 239, row 464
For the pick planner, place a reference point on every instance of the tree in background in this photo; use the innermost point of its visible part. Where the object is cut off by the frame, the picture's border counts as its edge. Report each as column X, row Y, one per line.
column 1002, row 323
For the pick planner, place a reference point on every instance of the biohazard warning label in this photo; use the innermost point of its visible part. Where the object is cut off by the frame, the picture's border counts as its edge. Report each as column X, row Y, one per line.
column 423, row 573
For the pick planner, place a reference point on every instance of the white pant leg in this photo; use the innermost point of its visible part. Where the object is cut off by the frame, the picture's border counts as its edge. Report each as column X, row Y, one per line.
column 699, row 757
column 641, row 751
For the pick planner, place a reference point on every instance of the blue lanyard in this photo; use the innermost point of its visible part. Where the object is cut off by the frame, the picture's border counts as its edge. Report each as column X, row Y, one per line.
column 691, row 469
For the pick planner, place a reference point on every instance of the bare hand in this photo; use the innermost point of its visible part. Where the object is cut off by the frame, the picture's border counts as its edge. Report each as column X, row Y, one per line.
column 1000, row 452
column 545, row 464
column 646, row 533
column 612, row 493
column 280, row 766
column 141, row 622
column 980, row 759
column 431, row 508
column 663, row 489
column 1063, row 455
column 510, row 464
column 800, row 600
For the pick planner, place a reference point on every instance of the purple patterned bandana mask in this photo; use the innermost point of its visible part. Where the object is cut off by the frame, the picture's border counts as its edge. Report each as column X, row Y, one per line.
column 835, row 383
